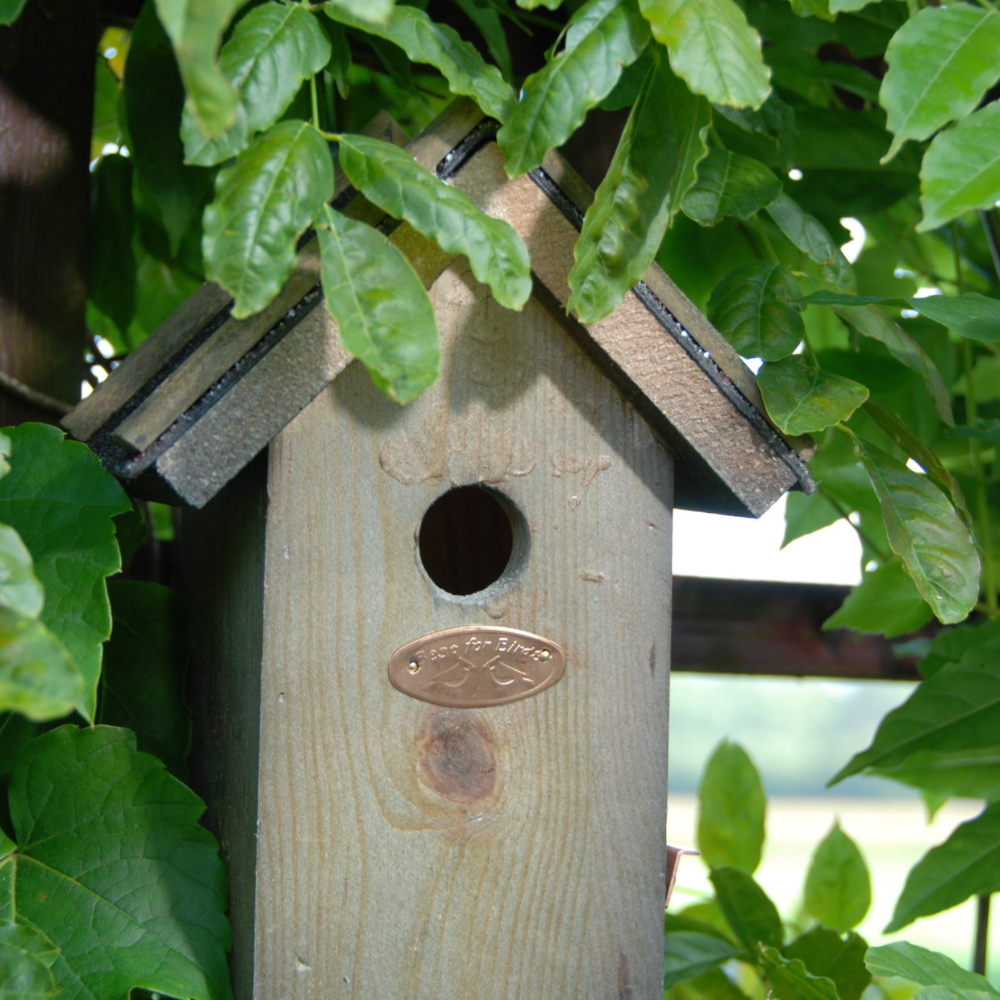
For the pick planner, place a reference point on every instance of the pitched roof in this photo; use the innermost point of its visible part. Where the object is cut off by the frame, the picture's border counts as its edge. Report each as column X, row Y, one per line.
column 187, row 410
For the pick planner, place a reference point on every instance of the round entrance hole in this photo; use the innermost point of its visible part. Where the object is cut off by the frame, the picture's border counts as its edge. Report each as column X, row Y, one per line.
column 467, row 539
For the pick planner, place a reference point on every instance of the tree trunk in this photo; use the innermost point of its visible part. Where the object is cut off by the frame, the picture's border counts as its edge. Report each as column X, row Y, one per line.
column 46, row 102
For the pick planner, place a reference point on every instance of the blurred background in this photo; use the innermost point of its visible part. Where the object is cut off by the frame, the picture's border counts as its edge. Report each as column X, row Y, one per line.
column 799, row 732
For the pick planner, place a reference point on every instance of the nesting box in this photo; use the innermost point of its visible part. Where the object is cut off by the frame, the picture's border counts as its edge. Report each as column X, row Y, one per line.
column 434, row 640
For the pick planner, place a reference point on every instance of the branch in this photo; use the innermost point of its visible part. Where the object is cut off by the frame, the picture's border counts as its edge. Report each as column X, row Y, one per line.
column 15, row 387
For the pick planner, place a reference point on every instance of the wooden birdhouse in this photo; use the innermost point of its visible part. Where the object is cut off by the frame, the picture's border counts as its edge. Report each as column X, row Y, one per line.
column 433, row 640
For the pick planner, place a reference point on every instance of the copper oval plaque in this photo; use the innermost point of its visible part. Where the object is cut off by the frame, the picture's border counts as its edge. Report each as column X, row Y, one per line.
column 475, row 666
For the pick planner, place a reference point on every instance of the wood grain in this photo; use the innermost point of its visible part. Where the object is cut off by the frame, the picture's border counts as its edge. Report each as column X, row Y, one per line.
column 222, row 577
column 410, row 851
column 728, row 466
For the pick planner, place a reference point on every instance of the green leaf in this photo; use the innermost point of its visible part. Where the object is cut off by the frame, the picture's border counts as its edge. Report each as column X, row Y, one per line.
column 921, row 453
column 263, row 203
column 926, row 533
column 711, row 985
column 729, row 185
column 272, row 50
column 812, row 238
column 872, row 322
column 731, row 808
column 802, row 400
column 10, row 10
column 961, row 170
column 106, row 129
column 948, row 993
column 111, row 284
column 340, row 62
column 712, row 48
column 5, row 447
column 950, row 645
column 747, row 908
column 840, row 6
column 806, row 514
column 956, row 709
column 752, row 308
column 924, row 967
column 110, row 851
column 38, row 678
column 941, row 63
column 426, row 41
column 383, row 313
column 971, row 315
column 812, row 8
column 149, row 629
column 966, row 864
column 389, row 177
column 886, row 601
column 840, row 959
column 488, row 23
column 790, row 980
column 375, row 11
column 687, row 954
column 61, row 501
column 556, row 99
column 195, row 28
column 973, row 773
column 153, row 98
column 20, row 590
column 837, row 889
column 26, row 958
column 654, row 163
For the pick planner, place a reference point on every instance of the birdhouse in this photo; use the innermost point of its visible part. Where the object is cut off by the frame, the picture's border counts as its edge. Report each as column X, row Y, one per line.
column 433, row 640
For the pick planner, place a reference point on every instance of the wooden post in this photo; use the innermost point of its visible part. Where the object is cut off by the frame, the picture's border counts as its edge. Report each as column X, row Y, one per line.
column 405, row 849
column 46, row 106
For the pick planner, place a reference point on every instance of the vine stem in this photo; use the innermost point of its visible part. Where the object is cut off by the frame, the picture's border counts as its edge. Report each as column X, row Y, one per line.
column 314, row 97
column 866, row 539
column 984, row 527
column 17, row 388
column 982, row 934
column 762, row 236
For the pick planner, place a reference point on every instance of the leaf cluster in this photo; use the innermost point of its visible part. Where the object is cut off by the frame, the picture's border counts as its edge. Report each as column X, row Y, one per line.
column 735, row 945
column 225, row 136
column 99, row 843
column 736, row 124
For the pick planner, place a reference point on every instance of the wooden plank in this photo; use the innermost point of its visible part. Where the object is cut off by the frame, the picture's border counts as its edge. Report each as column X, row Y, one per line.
column 241, row 422
column 145, row 361
column 177, row 331
column 185, row 385
column 411, row 851
column 735, row 470
column 238, row 417
column 682, row 308
column 760, row 627
column 690, row 317
column 180, row 388
column 222, row 578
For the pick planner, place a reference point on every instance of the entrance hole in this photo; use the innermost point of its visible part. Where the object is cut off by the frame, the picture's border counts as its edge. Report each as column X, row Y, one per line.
column 467, row 539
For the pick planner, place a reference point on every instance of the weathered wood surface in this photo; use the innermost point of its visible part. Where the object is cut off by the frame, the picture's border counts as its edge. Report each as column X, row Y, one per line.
column 411, row 851
column 725, row 464
column 192, row 432
column 223, row 579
